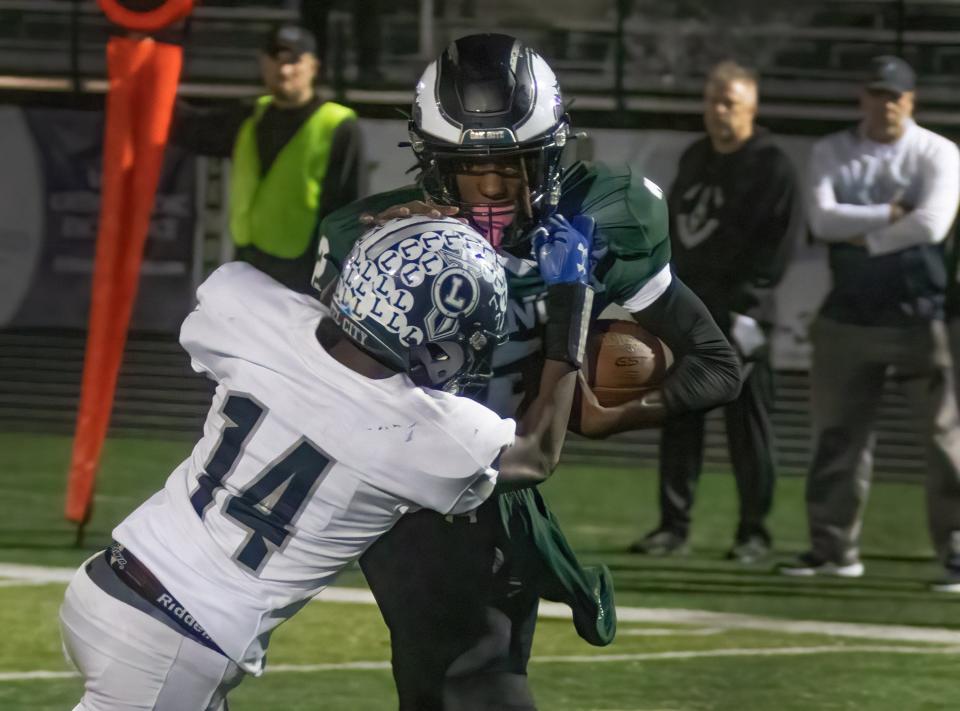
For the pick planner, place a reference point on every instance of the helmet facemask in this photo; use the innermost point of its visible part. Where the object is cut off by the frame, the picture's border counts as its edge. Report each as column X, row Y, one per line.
column 459, row 367
column 501, row 222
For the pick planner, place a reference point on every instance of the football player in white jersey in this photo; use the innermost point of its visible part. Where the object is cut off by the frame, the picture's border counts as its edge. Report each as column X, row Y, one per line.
column 327, row 425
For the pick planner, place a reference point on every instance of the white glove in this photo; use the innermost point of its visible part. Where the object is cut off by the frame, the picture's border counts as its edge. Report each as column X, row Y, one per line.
column 746, row 335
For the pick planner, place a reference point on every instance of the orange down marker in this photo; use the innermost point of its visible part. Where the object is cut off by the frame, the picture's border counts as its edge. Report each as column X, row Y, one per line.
column 143, row 77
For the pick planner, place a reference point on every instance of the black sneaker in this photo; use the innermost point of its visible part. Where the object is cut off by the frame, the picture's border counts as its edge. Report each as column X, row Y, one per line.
column 660, row 541
column 809, row 564
column 754, row 549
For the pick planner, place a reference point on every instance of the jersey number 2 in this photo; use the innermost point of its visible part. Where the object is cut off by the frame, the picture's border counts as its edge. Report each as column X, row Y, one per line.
column 301, row 468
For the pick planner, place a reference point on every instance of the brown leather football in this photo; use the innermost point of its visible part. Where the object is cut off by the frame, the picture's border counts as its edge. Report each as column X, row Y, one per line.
column 623, row 361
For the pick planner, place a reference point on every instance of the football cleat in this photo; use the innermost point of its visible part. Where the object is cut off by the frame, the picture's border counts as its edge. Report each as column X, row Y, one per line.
column 809, row 564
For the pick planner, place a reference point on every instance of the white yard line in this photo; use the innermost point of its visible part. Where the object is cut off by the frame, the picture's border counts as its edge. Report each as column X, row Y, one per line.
column 26, row 583
column 32, row 675
column 670, row 631
column 652, row 656
column 744, row 652
column 309, row 668
column 35, row 575
column 736, row 621
column 575, row 659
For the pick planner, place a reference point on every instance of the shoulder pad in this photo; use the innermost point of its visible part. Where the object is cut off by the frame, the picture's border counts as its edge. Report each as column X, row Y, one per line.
column 630, row 210
column 632, row 242
column 241, row 314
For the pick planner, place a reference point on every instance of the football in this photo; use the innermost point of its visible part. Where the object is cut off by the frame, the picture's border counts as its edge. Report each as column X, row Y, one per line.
column 623, row 361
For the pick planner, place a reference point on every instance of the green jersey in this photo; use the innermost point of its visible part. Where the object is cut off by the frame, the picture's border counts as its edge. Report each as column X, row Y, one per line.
column 631, row 247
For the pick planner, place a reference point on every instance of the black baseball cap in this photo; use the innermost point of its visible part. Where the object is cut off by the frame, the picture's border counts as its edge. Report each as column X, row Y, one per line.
column 290, row 38
column 889, row 73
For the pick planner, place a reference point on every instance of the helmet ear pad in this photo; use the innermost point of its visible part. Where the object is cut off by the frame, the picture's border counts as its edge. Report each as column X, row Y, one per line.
column 433, row 364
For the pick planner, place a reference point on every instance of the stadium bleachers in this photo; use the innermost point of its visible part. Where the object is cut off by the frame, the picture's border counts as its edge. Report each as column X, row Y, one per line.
column 818, row 45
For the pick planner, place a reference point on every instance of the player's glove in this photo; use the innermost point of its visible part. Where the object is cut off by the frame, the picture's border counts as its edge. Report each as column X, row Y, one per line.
column 562, row 251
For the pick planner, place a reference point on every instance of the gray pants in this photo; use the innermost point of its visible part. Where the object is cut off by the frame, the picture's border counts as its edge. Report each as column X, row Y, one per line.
column 850, row 364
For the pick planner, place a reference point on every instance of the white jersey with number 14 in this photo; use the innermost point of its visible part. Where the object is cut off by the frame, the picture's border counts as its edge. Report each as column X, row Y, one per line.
column 303, row 464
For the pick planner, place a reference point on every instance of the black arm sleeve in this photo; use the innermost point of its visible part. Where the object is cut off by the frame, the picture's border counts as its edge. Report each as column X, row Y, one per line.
column 706, row 371
column 341, row 184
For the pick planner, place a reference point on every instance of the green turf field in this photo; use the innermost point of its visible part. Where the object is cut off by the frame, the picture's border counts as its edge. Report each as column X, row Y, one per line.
column 334, row 655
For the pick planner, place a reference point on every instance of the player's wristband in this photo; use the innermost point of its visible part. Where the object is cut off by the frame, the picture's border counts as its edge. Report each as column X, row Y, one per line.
column 568, row 319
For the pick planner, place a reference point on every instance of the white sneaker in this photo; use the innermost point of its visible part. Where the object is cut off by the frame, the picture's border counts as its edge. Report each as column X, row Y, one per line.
column 808, row 565
column 949, row 583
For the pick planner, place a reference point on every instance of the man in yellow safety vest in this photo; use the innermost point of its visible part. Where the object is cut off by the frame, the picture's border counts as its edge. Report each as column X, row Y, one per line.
column 295, row 158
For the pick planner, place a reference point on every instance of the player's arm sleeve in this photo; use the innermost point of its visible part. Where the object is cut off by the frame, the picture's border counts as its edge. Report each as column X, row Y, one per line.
column 930, row 219
column 341, row 183
column 706, row 371
column 636, row 274
column 829, row 220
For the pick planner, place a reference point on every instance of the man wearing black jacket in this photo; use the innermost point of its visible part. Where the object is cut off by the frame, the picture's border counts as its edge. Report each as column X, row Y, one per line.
column 730, row 207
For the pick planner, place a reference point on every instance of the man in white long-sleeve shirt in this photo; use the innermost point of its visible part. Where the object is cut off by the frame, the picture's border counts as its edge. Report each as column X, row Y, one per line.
column 883, row 196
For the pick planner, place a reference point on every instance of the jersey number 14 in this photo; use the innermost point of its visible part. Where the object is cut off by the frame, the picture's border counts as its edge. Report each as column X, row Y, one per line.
column 300, row 468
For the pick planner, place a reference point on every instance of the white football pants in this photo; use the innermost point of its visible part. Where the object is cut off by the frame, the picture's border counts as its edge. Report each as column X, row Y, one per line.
column 131, row 661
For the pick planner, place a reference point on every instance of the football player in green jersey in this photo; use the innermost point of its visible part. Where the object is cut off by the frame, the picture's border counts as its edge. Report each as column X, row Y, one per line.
column 488, row 131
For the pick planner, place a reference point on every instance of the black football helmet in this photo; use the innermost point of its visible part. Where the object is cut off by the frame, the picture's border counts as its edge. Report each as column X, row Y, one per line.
column 427, row 297
column 490, row 98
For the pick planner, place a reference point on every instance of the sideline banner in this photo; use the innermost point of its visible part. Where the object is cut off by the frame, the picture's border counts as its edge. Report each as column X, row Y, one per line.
column 49, row 225
column 21, row 212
